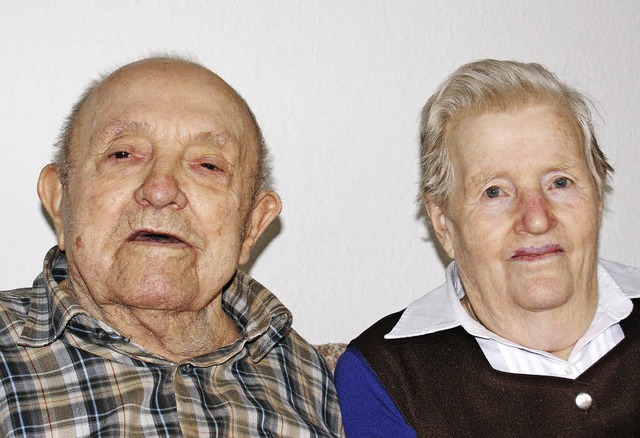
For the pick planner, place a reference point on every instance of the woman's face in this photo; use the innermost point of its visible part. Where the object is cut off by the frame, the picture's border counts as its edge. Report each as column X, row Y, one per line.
column 524, row 216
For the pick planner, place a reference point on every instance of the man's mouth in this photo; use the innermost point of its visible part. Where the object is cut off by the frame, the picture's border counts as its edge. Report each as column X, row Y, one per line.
column 155, row 237
column 533, row 253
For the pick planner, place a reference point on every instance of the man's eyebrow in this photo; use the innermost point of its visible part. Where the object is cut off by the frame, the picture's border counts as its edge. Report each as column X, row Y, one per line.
column 116, row 128
column 220, row 139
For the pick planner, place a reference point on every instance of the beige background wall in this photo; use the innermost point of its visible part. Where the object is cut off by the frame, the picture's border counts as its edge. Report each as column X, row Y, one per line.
column 337, row 87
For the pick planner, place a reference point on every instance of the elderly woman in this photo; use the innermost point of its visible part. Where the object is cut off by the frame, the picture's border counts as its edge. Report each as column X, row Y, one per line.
column 531, row 334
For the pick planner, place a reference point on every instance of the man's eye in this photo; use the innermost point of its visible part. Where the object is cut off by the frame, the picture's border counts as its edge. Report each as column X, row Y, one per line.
column 561, row 183
column 492, row 192
column 121, row 154
column 209, row 166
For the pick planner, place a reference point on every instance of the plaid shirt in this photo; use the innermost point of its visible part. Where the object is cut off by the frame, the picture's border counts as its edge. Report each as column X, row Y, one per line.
column 66, row 374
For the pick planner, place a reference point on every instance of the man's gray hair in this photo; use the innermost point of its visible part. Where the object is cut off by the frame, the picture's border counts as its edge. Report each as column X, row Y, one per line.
column 62, row 156
column 491, row 85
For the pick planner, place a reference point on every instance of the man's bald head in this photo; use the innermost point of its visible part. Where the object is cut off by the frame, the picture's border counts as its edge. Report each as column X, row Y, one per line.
column 82, row 114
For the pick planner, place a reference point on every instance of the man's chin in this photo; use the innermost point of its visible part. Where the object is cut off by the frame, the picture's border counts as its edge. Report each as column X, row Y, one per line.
column 155, row 260
column 155, row 292
column 151, row 248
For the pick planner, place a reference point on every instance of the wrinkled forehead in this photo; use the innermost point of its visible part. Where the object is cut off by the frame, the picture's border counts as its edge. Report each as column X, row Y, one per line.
column 482, row 139
column 166, row 94
column 558, row 108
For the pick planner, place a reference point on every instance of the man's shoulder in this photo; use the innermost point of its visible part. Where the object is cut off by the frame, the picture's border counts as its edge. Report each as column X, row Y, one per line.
column 16, row 301
column 297, row 365
column 301, row 351
column 14, row 308
column 296, row 358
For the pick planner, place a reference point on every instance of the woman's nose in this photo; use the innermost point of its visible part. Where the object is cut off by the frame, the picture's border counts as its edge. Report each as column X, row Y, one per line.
column 535, row 214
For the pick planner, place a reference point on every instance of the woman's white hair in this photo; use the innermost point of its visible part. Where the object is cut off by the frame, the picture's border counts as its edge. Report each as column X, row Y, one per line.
column 491, row 85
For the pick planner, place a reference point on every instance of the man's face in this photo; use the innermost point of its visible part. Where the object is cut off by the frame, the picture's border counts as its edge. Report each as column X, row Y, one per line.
column 155, row 207
column 524, row 214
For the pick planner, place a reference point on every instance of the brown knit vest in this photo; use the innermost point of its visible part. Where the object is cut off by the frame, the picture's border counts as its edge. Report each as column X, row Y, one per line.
column 444, row 386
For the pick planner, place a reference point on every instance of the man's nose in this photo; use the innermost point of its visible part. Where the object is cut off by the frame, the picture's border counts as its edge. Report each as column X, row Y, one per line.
column 161, row 188
column 535, row 215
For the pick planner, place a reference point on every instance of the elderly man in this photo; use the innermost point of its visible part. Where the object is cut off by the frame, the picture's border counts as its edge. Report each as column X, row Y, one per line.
column 140, row 323
column 531, row 334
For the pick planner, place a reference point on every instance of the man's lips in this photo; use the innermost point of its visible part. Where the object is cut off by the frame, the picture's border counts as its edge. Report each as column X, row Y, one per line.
column 155, row 236
column 531, row 253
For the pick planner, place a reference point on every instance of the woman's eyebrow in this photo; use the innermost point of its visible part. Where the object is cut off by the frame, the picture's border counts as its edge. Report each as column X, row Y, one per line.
column 479, row 179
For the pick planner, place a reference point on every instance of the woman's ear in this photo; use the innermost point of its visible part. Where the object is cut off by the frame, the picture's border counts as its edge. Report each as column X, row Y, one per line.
column 442, row 227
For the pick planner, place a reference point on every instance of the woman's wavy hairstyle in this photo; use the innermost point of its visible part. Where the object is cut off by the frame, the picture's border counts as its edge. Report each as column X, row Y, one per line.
column 491, row 85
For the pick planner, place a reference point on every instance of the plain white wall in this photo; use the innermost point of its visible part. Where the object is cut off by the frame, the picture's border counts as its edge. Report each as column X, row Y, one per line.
column 337, row 87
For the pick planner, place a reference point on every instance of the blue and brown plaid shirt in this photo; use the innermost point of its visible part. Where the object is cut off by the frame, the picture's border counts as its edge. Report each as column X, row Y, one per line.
column 66, row 374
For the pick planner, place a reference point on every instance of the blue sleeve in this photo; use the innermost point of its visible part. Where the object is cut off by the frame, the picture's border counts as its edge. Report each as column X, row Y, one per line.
column 367, row 408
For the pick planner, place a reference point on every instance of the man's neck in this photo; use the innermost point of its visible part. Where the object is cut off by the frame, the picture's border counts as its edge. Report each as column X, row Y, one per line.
column 174, row 335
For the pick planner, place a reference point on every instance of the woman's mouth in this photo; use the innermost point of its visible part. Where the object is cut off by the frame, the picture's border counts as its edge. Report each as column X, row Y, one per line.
column 533, row 253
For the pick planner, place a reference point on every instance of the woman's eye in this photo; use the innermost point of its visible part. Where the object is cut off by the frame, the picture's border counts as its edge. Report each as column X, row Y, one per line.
column 561, row 183
column 492, row 192
column 121, row 154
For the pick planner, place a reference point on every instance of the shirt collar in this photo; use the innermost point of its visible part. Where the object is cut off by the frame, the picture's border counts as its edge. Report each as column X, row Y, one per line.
column 262, row 318
column 441, row 309
column 436, row 311
column 51, row 306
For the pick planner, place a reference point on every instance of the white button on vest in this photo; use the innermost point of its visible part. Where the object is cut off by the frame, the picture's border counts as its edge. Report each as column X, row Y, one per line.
column 583, row 401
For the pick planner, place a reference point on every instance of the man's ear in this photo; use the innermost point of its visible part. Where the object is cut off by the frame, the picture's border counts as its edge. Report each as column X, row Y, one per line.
column 50, row 191
column 267, row 207
column 441, row 226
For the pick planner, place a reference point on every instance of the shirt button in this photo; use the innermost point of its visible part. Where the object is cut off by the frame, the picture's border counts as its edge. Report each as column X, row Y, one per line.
column 185, row 368
column 584, row 401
